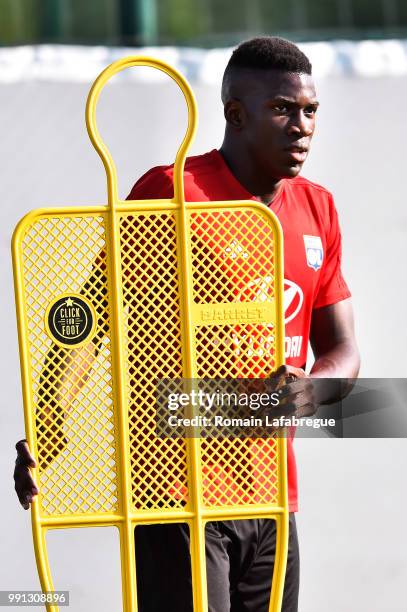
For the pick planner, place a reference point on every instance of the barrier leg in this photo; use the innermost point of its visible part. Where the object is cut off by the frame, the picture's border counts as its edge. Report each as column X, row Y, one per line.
column 41, row 555
column 128, row 567
column 198, row 564
column 280, row 562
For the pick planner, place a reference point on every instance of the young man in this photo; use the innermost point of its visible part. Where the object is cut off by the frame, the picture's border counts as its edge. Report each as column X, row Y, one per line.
column 270, row 105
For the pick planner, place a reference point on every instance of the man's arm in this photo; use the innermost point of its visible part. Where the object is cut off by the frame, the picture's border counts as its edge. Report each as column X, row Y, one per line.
column 62, row 379
column 336, row 357
column 333, row 342
column 64, row 373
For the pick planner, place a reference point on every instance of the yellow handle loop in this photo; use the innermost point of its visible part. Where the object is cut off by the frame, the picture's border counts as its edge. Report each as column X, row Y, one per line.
column 101, row 148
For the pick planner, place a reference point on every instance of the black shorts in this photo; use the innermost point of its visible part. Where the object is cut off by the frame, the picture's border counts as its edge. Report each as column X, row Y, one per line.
column 239, row 563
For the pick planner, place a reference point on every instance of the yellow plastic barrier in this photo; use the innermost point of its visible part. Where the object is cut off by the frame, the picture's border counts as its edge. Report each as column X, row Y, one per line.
column 112, row 299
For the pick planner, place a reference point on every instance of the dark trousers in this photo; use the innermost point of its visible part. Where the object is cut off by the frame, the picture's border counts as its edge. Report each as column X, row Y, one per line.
column 239, row 563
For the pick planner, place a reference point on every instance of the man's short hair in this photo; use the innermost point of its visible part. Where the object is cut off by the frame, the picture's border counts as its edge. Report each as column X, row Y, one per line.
column 266, row 53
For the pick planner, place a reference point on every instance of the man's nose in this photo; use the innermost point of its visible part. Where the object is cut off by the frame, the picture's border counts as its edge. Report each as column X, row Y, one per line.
column 301, row 124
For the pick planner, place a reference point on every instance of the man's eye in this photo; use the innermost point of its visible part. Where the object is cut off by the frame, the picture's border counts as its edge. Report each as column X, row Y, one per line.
column 310, row 110
column 281, row 108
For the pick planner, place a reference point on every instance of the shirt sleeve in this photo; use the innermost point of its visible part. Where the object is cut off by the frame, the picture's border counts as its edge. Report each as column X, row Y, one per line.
column 154, row 184
column 332, row 286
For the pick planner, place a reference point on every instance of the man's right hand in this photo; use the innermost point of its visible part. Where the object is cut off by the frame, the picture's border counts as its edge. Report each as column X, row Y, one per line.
column 25, row 485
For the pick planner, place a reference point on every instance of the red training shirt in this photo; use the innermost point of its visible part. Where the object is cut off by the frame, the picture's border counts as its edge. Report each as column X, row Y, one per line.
column 312, row 248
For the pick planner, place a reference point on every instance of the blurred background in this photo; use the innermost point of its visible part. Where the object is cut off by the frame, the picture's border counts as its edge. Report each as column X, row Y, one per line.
column 195, row 22
column 351, row 491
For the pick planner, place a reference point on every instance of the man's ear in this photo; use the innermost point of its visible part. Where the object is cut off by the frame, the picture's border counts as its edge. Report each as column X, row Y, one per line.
column 235, row 113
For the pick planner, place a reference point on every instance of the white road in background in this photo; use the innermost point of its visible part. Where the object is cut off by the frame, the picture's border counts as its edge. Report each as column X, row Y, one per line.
column 352, row 492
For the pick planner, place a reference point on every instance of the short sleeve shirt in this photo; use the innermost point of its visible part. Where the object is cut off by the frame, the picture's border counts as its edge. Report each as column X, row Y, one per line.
column 312, row 248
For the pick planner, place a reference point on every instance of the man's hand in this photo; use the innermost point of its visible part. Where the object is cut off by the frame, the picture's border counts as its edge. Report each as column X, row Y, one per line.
column 297, row 393
column 302, row 394
column 25, row 486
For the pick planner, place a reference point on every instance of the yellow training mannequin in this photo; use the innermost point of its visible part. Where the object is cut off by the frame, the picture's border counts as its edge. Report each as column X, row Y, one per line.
column 109, row 300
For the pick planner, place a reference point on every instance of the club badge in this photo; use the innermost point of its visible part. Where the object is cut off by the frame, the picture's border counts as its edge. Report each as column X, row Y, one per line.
column 314, row 251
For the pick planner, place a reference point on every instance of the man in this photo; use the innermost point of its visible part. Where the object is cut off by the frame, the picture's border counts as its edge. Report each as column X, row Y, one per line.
column 270, row 106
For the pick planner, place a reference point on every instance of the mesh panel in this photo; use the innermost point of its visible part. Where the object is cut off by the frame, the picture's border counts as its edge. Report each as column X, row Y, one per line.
column 232, row 257
column 151, row 302
column 233, row 261
column 234, row 351
column 75, row 439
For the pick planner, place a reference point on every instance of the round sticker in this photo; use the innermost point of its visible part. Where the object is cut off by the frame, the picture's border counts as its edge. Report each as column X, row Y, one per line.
column 70, row 319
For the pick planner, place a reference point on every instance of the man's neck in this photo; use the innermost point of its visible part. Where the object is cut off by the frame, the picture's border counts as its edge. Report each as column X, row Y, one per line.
column 265, row 189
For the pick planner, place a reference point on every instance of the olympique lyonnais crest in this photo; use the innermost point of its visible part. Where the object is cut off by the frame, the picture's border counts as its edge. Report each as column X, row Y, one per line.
column 314, row 251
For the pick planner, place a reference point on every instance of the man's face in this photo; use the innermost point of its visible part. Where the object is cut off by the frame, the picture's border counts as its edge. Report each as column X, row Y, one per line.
column 277, row 120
